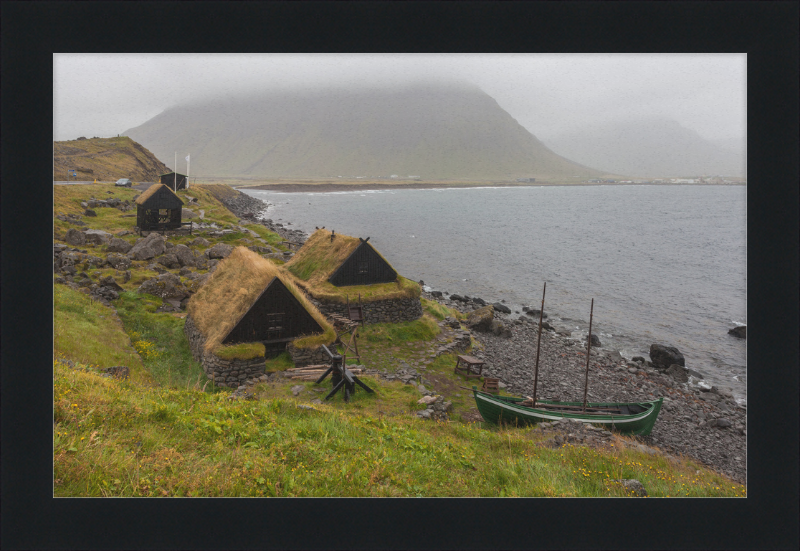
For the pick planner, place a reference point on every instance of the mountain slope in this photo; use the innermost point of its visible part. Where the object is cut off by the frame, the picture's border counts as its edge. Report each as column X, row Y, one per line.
column 106, row 159
column 658, row 147
column 433, row 131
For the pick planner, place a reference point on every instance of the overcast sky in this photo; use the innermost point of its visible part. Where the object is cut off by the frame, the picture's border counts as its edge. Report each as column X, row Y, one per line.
column 106, row 94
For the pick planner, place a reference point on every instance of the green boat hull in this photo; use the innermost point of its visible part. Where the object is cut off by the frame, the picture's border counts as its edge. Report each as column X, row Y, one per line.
column 505, row 409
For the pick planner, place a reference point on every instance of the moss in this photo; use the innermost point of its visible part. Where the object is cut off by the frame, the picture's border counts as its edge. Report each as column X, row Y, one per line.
column 241, row 351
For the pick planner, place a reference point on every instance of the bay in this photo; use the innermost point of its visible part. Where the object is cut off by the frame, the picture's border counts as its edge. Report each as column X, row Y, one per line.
column 664, row 264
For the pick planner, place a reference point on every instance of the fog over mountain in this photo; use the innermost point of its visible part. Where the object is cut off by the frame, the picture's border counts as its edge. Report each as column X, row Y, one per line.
column 653, row 147
column 437, row 131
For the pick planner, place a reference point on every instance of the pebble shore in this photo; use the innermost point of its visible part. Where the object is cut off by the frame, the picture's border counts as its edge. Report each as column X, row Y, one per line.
column 704, row 424
column 707, row 426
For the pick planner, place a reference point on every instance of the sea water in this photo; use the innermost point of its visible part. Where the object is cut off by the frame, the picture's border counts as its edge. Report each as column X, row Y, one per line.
column 664, row 264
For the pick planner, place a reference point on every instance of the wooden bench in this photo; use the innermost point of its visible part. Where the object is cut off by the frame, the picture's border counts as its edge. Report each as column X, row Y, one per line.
column 470, row 364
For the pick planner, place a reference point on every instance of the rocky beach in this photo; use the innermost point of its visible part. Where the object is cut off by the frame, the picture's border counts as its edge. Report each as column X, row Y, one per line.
column 698, row 421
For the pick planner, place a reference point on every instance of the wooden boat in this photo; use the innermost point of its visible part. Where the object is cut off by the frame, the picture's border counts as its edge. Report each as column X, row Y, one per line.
column 626, row 417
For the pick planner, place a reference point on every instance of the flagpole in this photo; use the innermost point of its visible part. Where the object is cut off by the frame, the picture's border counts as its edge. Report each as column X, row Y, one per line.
column 188, row 163
column 175, row 176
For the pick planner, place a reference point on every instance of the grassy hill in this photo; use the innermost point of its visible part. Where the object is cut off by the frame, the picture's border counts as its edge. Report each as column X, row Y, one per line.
column 431, row 131
column 106, row 160
column 168, row 431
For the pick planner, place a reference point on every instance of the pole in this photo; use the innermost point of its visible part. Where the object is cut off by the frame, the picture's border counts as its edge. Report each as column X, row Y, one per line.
column 175, row 175
column 588, row 355
column 188, row 162
column 538, row 343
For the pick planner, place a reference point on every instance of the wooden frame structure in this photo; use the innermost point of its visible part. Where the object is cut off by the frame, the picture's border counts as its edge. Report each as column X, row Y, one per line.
column 174, row 179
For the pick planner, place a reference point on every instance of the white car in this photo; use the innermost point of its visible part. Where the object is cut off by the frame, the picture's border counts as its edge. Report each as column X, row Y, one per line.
column 124, row 182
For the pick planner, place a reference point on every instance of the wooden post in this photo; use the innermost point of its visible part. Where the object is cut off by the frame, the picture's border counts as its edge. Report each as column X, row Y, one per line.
column 588, row 356
column 538, row 343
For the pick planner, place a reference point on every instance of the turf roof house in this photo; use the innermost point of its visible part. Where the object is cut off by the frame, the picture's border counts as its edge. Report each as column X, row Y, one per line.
column 334, row 269
column 247, row 311
column 158, row 209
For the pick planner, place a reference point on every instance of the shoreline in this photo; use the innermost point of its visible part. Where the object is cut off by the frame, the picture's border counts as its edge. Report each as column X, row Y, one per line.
column 377, row 186
column 704, row 424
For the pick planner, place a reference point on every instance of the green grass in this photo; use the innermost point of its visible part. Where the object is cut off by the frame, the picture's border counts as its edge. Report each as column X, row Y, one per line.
column 115, row 438
column 423, row 329
column 160, row 341
column 438, row 311
column 241, row 351
column 85, row 331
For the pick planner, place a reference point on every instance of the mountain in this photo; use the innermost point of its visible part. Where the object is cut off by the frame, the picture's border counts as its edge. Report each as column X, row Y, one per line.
column 649, row 148
column 106, row 159
column 434, row 131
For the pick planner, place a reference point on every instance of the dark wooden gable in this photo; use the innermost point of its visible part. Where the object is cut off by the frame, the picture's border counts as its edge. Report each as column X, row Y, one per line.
column 174, row 180
column 161, row 210
column 364, row 266
column 276, row 315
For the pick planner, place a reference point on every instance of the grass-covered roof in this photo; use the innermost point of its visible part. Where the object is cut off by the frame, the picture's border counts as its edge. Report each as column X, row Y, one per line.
column 151, row 191
column 232, row 289
column 320, row 256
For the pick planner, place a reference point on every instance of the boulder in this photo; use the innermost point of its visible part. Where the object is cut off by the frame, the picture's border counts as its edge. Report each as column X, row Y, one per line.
column 109, row 281
column 164, row 286
column 147, row 248
column 75, row 237
column 169, row 260
column 638, row 359
column 220, row 250
column 501, row 308
column 481, row 319
column 479, row 301
column 595, row 340
column 89, row 212
column 117, row 245
column 157, row 268
column 739, row 332
column 118, row 261
column 186, row 213
column 500, row 330
column 678, row 372
column 200, row 242
column 98, row 237
column 95, row 261
column 633, row 486
column 664, row 356
column 459, row 298
column 184, row 255
column 535, row 312
column 437, row 294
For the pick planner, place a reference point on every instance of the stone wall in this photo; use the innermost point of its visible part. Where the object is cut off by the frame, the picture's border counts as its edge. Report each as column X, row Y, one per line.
column 380, row 311
column 230, row 373
column 309, row 356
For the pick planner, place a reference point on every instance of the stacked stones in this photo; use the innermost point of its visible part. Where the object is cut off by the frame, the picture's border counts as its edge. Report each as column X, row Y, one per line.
column 309, row 356
column 228, row 373
column 460, row 343
column 380, row 311
column 437, row 408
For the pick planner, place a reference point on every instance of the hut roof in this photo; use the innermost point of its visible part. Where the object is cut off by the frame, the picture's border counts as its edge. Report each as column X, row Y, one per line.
column 319, row 257
column 171, row 172
column 152, row 191
column 232, row 289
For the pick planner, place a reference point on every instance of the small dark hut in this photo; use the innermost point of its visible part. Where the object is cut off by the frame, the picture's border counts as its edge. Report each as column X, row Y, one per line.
column 158, row 209
column 364, row 266
column 174, row 180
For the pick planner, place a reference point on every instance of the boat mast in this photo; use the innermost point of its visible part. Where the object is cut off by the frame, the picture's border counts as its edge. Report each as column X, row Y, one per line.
column 538, row 343
column 588, row 355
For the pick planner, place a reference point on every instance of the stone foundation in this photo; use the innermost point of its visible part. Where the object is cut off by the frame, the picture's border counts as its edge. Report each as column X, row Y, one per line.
column 309, row 356
column 380, row 311
column 229, row 373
